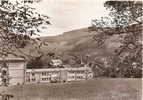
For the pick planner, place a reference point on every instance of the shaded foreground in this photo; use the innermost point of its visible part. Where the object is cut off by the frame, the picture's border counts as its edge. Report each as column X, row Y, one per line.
column 97, row 89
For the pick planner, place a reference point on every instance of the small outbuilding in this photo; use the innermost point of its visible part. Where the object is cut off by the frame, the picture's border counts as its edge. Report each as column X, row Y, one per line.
column 16, row 69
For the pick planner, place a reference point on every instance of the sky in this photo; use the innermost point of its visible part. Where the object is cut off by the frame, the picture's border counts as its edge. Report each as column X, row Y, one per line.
column 67, row 15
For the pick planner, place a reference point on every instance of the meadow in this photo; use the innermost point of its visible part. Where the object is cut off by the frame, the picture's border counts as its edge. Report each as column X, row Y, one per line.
column 96, row 89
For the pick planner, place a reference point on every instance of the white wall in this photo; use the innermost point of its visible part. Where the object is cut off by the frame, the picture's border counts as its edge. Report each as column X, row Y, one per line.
column 16, row 72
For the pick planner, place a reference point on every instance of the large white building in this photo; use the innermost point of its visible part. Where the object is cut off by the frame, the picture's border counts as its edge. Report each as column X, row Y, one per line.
column 18, row 74
column 16, row 70
column 58, row 74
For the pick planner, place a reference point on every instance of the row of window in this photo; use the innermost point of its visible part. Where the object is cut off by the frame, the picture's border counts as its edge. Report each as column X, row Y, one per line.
column 46, row 79
column 48, row 73
column 31, row 80
column 31, row 1
column 49, row 79
column 43, row 73
column 79, row 72
column 78, row 77
column 57, row 78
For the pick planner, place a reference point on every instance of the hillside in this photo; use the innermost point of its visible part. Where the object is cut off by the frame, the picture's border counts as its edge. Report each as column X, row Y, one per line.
column 75, row 43
column 80, row 41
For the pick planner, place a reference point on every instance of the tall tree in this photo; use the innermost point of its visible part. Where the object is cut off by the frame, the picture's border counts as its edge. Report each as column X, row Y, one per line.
column 18, row 23
column 125, row 20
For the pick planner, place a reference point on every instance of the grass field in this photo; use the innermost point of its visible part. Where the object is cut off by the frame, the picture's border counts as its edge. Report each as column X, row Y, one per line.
column 97, row 89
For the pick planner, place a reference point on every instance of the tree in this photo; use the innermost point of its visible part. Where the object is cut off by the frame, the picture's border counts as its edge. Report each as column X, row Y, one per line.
column 18, row 23
column 125, row 20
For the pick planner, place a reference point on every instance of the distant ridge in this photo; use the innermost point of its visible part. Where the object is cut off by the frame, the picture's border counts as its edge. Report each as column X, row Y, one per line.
column 76, row 42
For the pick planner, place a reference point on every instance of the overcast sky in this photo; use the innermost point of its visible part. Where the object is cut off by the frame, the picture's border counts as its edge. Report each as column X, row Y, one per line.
column 66, row 15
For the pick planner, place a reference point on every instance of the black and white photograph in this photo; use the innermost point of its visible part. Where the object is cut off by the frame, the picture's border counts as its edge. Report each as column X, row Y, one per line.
column 71, row 49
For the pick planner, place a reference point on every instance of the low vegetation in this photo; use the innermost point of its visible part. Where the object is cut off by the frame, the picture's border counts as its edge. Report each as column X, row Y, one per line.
column 97, row 89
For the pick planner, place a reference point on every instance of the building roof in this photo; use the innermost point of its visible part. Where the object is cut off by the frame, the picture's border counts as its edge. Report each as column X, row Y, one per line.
column 11, row 58
column 59, row 69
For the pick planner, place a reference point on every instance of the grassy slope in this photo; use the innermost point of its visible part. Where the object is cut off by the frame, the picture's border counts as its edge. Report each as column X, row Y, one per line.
column 80, row 40
column 97, row 89
column 62, row 43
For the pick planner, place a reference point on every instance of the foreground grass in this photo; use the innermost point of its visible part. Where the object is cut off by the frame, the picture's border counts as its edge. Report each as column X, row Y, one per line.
column 97, row 89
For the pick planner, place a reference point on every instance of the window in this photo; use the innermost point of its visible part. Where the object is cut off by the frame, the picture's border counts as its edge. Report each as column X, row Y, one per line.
column 71, row 77
column 28, row 80
column 45, row 79
column 28, row 1
column 72, row 72
column 79, row 77
column 33, row 79
column 33, row 74
column 43, row 73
